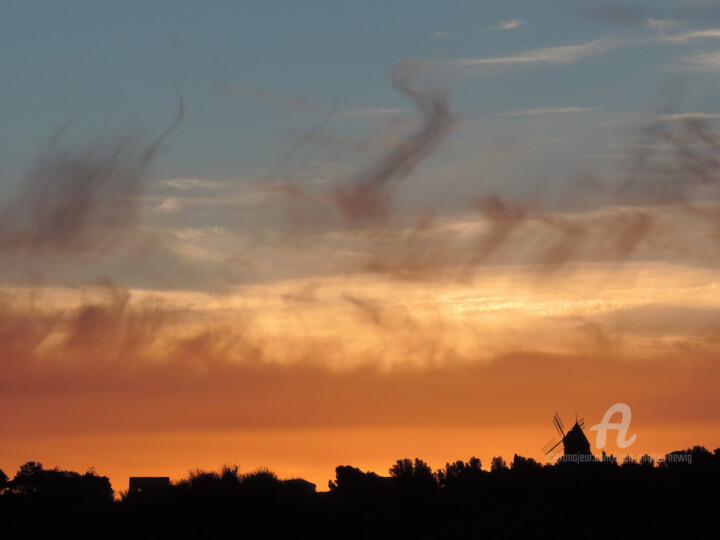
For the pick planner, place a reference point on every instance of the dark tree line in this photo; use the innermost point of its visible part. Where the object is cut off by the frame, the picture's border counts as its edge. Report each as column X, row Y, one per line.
column 33, row 483
column 605, row 498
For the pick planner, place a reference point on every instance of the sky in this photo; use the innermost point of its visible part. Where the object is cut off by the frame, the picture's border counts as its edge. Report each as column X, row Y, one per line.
column 309, row 234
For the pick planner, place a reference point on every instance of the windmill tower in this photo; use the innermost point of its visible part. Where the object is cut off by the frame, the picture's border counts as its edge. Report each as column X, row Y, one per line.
column 576, row 447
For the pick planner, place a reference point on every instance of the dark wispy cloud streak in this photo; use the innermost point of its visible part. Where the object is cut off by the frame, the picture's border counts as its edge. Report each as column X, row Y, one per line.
column 76, row 201
column 368, row 196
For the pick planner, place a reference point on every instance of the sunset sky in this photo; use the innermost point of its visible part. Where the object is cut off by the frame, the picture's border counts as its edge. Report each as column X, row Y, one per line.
column 308, row 234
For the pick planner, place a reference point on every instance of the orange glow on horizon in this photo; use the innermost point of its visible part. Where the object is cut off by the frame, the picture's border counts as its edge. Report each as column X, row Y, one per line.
column 158, row 383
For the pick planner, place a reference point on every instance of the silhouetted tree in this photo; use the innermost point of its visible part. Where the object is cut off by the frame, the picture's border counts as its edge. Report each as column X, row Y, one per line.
column 697, row 455
column 523, row 464
column 459, row 473
column 647, row 461
column 30, row 478
column 700, row 455
column 64, row 486
column 609, row 458
column 3, row 480
column 352, row 480
column 469, row 502
column 498, row 464
column 413, row 474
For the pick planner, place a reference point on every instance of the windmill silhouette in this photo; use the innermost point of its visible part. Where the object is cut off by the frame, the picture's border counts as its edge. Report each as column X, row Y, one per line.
column 575, row 443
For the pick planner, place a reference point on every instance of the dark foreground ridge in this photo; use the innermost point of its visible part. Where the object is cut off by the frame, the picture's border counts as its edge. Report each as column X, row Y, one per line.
column 677, row 496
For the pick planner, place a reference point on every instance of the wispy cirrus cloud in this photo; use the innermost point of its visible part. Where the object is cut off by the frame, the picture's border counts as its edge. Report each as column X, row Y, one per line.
column 706, row 33
column 369, row 112
column 682, row 37
column 508, row 25
column 169, row 205
column 660, row 24
column 556, row 110
column 185, row 184
column 701, row 61
column 563, row 54
column 690, row 116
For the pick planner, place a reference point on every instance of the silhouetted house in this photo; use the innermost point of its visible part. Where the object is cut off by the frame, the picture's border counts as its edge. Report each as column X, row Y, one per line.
column 148, row 485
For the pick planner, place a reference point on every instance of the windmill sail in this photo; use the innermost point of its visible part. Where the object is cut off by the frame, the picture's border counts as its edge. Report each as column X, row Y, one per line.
column 550, row 447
